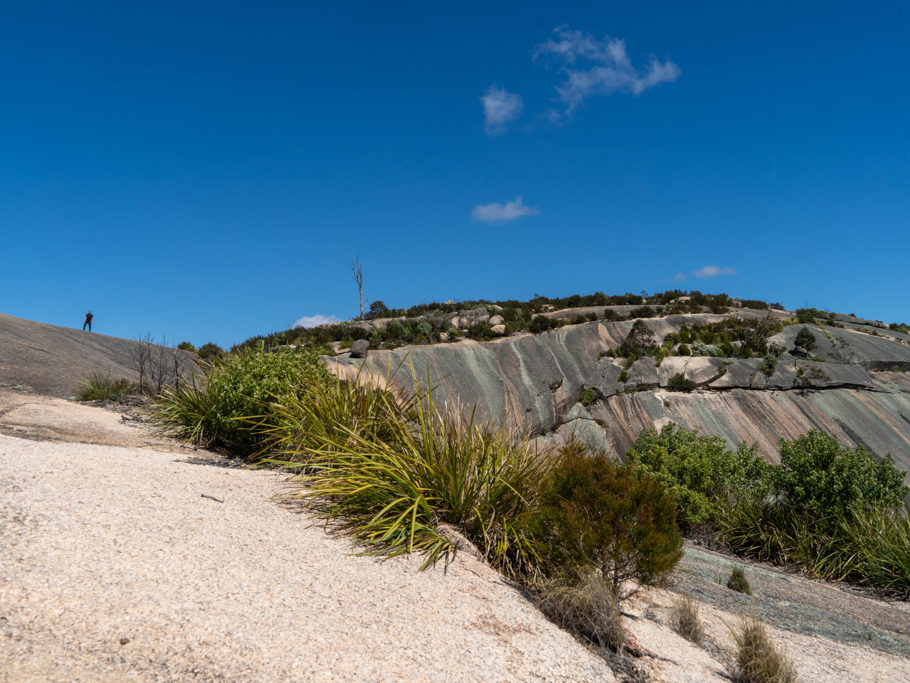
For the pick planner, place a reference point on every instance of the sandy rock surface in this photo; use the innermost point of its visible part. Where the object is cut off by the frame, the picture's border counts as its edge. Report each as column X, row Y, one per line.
column 115, row 567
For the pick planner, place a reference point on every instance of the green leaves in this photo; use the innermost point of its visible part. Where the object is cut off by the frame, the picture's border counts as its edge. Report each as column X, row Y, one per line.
column 389, row 467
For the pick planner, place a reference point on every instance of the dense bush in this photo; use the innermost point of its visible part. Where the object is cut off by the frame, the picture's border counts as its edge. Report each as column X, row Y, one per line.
column 598, row 514
column 839, row 512
column 733, row 337
column 820, row 477
column 231, row 409
column 186, row 346
column 805, row 340
column 700, row 470
column 210, row 351
column 639, row 341
column 679, row 382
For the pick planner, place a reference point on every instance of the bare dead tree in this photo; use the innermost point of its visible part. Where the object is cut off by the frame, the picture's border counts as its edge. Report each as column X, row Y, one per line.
column 142, row 358
column 357, row 274
column 162, row 366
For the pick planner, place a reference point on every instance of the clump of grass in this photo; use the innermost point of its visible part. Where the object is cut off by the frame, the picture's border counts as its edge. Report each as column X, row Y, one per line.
column 586, row 607
column 100, row 386
column 686, row 621
column 389, row 467
column 758, row 659
column 738, row 581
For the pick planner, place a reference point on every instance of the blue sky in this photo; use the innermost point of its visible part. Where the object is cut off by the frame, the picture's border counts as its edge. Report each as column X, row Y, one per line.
column 209, row 171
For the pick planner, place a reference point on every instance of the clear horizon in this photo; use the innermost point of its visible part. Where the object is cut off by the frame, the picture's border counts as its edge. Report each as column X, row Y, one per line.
column 209, row 171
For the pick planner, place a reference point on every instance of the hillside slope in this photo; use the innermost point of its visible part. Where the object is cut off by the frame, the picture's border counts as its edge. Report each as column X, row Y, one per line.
column 52, row 360
column 854, row 384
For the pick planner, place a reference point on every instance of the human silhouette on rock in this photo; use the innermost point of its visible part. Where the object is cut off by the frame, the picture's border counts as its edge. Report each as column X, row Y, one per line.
column 88, row 321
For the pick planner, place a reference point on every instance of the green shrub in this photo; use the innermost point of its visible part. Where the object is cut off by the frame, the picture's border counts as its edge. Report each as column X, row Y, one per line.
column 231, row 411
column 836, row 511
column 100, row 386
column 738, row 581
column 805, row 340
column 624, row 376
column 210, row 351
column 686, row 621
column 819, row 476
column 638, row 342
column 679, row 382
column 597, row 514
column 588, row 396
column 700, row 470
column 684, row 350
column 389, row 468
column 769, row 364
column 757, row 659
column 186, row 346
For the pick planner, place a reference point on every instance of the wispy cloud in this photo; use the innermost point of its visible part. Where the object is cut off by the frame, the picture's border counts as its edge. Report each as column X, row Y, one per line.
column 500, row 108
column 316, row 320
column 502, row 213
column 707, row 271
column 598, row 67
column 713, row 271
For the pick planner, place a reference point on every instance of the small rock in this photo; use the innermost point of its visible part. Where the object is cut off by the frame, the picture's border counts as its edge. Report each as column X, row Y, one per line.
column 359, row 348
column 124, row 641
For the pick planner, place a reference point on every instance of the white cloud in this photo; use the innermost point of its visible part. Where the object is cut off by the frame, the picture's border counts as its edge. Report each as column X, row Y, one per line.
column 680, row 276
column 316, row 320
column 598, row 67
column 713, row 271
column 501, row 213
column 500, row 108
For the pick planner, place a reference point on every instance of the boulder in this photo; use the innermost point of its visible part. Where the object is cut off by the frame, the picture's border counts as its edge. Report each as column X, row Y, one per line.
column 497, row 320
column 359, row 348
column 498, row 329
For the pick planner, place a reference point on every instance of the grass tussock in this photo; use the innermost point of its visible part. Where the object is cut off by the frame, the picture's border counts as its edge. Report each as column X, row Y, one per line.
column 758, row 659
column 389, row 467
column 686, row 621
column 587, row 608
column 100, row 386
column 738, row 581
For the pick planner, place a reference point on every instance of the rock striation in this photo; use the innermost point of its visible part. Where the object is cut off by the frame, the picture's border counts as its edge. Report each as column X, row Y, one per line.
column 855, row 384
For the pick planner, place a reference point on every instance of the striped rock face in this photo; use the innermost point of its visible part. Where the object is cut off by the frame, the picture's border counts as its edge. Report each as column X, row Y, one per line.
column 855, row 385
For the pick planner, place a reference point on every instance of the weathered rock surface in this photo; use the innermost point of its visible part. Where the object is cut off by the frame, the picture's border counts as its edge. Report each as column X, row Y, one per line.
column 52, row 360
column 359, row 348
column 534, row 380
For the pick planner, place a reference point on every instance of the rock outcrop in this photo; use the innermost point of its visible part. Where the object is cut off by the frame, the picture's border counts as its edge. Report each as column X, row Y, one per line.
column 853, row 385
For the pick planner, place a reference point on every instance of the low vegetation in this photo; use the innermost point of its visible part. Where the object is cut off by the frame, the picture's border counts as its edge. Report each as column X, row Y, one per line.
column 686, row 620
column 758, row 659
column 738, row 581
column 431, row 323
column 701, row 471
column 839, row 512
column 100, row 386
column 228, row 409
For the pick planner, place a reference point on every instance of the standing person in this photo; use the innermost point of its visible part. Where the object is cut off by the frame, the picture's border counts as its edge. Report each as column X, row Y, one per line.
column 88, row 321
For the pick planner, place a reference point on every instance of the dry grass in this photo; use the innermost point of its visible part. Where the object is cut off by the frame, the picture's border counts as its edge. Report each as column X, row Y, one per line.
column 758, row 660
column 586, row 608
column 686, row 621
